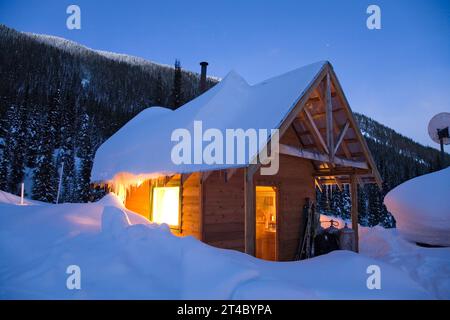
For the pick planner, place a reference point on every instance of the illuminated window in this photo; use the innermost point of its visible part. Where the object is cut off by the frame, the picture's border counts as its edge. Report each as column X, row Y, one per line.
column 166, row 205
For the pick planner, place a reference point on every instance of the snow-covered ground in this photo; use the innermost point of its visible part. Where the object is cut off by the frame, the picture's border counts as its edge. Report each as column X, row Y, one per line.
column 122, row 255
column 429, row 267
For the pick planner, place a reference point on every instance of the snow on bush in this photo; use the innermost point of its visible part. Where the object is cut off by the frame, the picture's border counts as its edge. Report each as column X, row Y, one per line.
column 421, row 207
column 122, row 255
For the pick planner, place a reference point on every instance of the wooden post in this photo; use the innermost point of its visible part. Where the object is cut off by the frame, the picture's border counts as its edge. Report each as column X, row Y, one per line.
column 250, row 213
column 354, row 195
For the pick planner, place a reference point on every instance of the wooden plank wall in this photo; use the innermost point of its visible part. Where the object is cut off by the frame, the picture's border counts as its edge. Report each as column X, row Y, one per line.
column 223, row 203
column 295, row 182
column 191, row 207
column 224, row 210
column 138, row 199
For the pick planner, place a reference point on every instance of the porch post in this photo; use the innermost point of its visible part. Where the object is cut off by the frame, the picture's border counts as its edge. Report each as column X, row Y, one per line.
column 250, row 214
column 354, row 195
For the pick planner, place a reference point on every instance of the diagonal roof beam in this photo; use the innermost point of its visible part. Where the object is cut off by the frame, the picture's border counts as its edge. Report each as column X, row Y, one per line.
column 312, row 125
column 321, row 99
column 341, row 137
column 299, row 138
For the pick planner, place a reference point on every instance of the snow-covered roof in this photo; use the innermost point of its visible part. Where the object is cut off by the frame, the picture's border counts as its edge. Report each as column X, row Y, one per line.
column 142, row 148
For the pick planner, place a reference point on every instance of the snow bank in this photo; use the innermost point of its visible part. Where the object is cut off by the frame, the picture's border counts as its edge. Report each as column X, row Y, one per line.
column 421, row 207
column 430, row 267
column 9, row 198
column 123, row 256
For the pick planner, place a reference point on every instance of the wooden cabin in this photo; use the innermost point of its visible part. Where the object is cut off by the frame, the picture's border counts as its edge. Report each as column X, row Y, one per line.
column 236, row 207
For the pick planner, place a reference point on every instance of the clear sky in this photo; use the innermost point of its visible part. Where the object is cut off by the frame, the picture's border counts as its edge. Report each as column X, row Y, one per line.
column 399, row 75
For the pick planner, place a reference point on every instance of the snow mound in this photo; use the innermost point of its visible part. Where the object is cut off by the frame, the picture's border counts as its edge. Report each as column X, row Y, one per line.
column 124, row 256
column 421, row 207
column 114, row 221
column 9, row 198
column 430, row 267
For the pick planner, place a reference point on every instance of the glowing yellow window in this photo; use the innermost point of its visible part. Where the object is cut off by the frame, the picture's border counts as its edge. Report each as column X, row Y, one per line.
column 166, row 205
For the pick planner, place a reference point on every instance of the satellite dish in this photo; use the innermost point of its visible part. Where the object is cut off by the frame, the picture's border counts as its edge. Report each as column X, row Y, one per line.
column 439, row 127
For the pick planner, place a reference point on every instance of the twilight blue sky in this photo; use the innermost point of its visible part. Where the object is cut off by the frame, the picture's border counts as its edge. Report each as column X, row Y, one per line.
column 399, row 75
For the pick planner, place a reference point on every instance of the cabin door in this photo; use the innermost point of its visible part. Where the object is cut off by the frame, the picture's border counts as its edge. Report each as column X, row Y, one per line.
column 266, row 222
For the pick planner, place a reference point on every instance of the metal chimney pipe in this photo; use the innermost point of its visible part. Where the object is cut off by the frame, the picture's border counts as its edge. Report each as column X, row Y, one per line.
column 202, row 85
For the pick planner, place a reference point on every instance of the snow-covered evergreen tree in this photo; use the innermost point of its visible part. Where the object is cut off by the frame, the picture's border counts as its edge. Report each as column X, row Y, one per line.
column 336, row 203
column 86, row 159
column 34, row 126
column 20, row 137
column 177, row 93
column 374, row 205
column 12, row 164
column 45, row 175
column 11, row 121
column 346, row 202
column 159, row 94
column 362, row 205
column 67, row 150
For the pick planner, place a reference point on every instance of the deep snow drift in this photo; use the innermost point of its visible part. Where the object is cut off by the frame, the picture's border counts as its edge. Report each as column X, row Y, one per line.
column 421, row 207
column 122, row 255
column 430, row 267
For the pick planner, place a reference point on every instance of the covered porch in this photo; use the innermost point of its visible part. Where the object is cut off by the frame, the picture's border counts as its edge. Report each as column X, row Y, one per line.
column 327, row 134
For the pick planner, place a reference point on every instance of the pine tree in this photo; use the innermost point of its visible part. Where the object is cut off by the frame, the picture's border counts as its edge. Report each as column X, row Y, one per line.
column 346, row 202
column 12, row 165
column 159, row 94
column 19, row 144
column 336, row 202
column 374, row 207
column 54, row 113
column 362, row 206
column 45, row 181
column 177, row 98
column 67, row 150
column 34, row 126
column 86, row 159
column 11, row 121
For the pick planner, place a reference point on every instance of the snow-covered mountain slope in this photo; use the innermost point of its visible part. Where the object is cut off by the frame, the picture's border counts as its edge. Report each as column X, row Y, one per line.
column 122, row 255
column 76, row 48
column 421, row 207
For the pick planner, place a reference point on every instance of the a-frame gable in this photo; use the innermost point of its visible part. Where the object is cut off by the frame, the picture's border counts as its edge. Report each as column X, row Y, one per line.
column 328, row 134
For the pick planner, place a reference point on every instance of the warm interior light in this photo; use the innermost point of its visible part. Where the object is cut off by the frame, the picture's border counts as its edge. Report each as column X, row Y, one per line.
column 121, row 192
column 166, row 205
